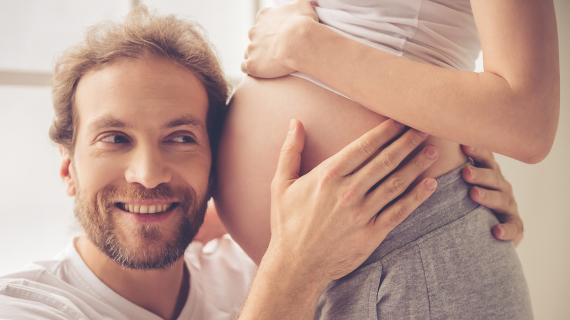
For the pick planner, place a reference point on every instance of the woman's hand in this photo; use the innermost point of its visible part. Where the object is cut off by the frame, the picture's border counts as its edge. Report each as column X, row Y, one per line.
column 495, row 192
column 275, row 32
column 327, row 222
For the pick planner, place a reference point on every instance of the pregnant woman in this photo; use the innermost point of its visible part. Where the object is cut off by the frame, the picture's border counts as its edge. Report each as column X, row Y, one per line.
column 409, row 60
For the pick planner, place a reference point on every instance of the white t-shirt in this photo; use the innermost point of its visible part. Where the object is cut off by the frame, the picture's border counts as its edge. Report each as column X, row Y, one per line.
column 437, row 32
column 65, row 288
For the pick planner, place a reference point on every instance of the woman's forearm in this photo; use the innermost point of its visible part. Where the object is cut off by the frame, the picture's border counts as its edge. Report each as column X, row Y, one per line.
column 514, row 118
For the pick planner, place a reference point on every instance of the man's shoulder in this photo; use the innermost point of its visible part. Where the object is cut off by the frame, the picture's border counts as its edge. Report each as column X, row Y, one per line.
column 43, row 295
column 223, row 271
column 22, row 298
column 45, row 290
column 48, row 272
column 220, row 255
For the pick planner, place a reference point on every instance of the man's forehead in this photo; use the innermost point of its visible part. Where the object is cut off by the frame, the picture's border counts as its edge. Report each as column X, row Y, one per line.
column 126, row 93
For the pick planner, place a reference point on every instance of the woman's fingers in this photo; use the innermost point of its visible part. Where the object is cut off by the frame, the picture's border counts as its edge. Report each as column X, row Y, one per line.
column 506, row 210
column 498, row 197
column 512, row 230
column 498, row 201
column 393, row 215
column 353, row 156
column 276, row 29
column 394, row 185
column 488, row 178
column 482, row 157
column 390, row 158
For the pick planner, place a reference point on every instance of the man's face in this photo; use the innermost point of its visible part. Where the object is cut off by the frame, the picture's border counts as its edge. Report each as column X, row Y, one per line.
column 142, row 160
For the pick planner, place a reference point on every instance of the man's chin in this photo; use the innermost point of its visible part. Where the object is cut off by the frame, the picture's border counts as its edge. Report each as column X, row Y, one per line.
column 141, row 241
column 146, row 250
column 148, row 247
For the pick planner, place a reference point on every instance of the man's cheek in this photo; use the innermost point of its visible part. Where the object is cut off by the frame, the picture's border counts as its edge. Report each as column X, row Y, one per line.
column 195, row 174
column 99, row 173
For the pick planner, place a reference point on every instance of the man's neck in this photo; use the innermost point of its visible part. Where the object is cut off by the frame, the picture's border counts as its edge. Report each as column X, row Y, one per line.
column 162, row 292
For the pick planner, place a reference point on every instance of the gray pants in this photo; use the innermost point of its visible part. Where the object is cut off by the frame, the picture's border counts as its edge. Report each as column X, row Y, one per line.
column 442, row 262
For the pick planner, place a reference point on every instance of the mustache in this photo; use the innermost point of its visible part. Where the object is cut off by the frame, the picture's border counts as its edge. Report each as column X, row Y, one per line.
column 112, row 194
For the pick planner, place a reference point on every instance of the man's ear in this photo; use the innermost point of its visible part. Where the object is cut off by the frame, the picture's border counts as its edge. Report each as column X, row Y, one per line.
column 65, row 171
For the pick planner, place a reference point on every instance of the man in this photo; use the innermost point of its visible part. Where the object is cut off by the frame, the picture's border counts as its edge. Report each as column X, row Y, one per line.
column 138, row 109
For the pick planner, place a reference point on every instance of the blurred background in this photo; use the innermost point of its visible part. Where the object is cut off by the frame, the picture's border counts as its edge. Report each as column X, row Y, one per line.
column 37, row 220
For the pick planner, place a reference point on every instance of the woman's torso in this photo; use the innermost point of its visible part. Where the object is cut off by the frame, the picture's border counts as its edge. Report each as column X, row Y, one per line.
column 260, row 112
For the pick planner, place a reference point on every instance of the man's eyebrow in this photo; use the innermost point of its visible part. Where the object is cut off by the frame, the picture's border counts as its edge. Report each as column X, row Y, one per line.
column 187, row 119
column 107, row 122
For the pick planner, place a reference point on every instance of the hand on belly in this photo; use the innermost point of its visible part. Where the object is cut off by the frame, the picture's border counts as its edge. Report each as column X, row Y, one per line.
column 254, row 132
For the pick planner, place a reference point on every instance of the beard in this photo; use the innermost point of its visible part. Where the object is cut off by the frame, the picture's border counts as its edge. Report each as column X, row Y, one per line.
column 140, row 246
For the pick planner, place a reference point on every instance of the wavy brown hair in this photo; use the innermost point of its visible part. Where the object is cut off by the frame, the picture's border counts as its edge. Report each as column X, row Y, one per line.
column 143, row 34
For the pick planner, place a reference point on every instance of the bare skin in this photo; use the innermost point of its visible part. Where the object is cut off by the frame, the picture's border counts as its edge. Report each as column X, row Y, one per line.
column 253, row 134
column 515, row 99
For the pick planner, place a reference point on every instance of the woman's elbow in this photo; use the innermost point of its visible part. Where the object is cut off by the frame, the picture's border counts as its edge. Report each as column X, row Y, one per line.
column 537, row 153
column 538, row 136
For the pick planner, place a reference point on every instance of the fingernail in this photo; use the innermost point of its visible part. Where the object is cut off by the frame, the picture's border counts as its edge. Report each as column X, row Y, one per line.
column 399, row 125
column 501, row 231
column 431, row 152
column 481, row 193
column 291, row 126
column 423, row 134
column 473, row 173
column 431, row 184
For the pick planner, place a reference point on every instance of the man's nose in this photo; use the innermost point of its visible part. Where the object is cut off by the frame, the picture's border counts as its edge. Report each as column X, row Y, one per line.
column 148, row 168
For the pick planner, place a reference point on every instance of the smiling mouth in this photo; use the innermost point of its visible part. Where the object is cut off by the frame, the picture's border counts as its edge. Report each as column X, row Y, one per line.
column 144, row 209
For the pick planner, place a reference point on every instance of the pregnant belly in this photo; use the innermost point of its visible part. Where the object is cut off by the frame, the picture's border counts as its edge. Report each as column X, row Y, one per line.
column 254, row 132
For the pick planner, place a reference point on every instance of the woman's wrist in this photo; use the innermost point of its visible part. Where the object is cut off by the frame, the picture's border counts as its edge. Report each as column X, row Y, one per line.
column 294, row 49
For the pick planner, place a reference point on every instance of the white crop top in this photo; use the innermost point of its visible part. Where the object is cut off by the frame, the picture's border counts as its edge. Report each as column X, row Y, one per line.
column 437, row 32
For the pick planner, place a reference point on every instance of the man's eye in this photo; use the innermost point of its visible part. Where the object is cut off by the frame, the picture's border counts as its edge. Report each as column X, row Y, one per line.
column 115, row 138
column 183, row 139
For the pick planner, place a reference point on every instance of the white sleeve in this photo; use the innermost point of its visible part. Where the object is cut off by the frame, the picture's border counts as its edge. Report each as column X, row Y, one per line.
column 28, row 299
column 20, row 302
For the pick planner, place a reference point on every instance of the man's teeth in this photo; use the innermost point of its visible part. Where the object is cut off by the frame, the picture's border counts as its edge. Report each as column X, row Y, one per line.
column 146, row 209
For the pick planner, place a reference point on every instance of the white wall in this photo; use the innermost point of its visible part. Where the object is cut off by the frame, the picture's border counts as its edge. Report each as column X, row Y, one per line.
column 33, row 31
column 227, row 23
column 543, row 194
column 37, row 216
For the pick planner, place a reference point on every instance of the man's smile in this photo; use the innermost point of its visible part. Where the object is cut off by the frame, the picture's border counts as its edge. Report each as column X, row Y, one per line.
column 146, row 207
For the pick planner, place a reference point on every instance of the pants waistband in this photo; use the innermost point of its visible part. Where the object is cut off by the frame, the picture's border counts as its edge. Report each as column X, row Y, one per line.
column 448, row 203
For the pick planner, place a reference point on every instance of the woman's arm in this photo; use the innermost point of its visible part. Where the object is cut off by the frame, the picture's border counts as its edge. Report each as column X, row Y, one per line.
column 511, row 108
